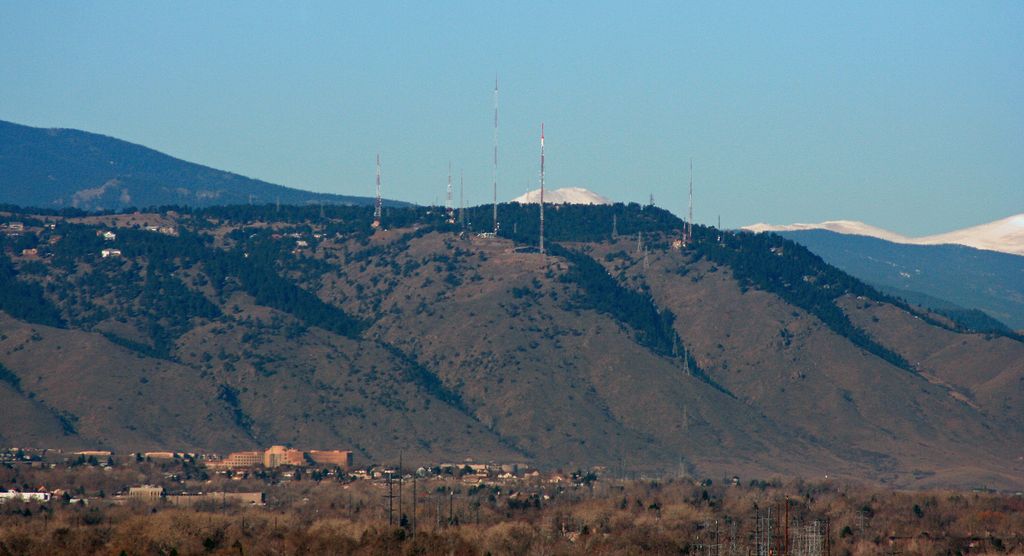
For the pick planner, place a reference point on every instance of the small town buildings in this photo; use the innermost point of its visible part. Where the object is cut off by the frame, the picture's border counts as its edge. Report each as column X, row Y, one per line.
column 145, row 492
column 242, row 459
column 16, row 226
column 95, row 453
column 188, row 500
column 31, row 253
column 277, row 456
column 337, row 458
column 107, row 253
column 109, row 236
column 15, row 496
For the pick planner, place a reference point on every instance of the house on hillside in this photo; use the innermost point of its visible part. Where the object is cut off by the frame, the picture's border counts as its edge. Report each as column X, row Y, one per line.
column 107, row 235
column 107, row 253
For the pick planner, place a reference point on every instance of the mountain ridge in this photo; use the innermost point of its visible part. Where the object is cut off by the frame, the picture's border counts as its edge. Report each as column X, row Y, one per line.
column 735, row 354
column 1005, row 235
column 941, row 277
column 67, row 168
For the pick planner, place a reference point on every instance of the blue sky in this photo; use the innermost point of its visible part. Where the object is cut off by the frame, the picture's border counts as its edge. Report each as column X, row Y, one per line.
column 906, row 115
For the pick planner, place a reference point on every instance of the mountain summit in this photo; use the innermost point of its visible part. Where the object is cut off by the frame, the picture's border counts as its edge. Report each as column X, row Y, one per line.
column 563, row 196
column 1005, row 235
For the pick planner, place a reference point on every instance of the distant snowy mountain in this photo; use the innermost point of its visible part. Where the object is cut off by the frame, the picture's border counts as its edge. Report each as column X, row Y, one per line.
column 1005, row 235
column 848, row 227
column 563, row 196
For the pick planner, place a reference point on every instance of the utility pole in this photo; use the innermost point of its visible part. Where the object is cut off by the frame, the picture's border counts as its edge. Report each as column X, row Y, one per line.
column 451, row 507
column 785, row 539
column 390, row 496
column 401, row 513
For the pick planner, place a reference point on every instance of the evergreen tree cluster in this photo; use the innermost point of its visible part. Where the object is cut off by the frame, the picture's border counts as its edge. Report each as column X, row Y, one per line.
column 25, row 300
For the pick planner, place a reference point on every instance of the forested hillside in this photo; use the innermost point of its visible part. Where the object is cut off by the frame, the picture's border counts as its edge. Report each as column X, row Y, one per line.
column 984, row 286
column 225, row 327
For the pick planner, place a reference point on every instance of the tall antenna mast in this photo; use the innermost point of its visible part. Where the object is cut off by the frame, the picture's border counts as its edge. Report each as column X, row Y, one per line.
column 542, row 188
column 377, row 206
column 462, row 187
column 495, row 171
column 689, row 224
column 448, row 201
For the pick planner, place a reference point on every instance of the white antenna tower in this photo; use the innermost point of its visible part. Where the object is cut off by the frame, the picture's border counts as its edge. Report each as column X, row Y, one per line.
column 495, row 171
column 542, row 188
column 462, row 188
column 377, row 206
column 448, row 200
column 689, row 223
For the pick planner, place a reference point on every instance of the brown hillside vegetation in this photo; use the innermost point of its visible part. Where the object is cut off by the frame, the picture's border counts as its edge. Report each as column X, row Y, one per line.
column 598, row 517
column 248, row 330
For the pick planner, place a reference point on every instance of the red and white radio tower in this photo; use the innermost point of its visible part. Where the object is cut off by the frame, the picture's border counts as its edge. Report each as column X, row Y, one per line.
column 377, row 206
column 542, row 188
column 495, row 172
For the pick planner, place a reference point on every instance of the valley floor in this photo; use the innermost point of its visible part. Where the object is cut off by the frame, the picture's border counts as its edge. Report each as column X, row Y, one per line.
column 578, row 514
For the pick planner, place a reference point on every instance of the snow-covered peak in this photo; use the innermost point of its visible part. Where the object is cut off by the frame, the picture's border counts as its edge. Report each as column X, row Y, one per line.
column 563, row 196
column 849, row 227
column 1006, row 235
